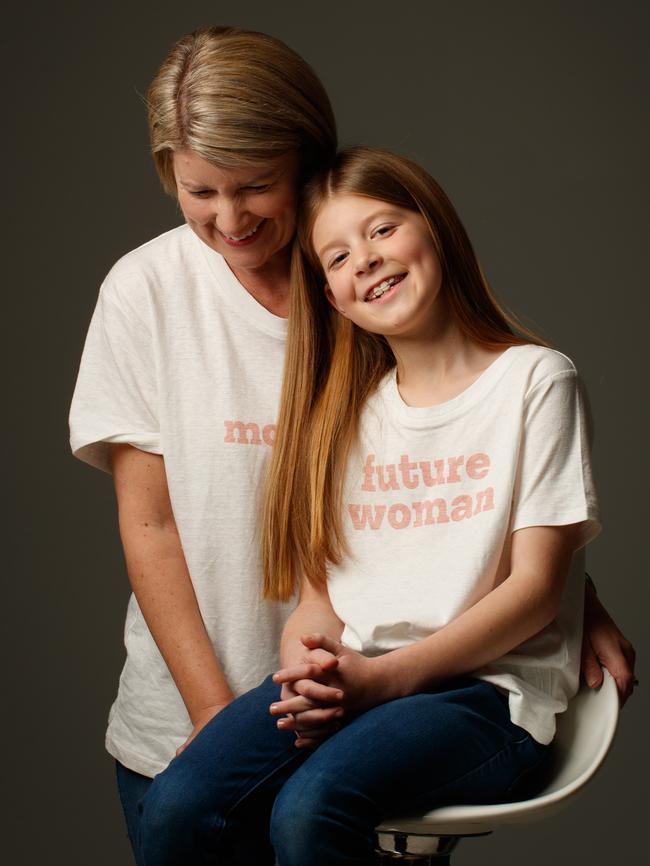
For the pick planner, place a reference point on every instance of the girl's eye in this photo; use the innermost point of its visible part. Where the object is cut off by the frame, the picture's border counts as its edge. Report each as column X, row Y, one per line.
column 337, row 260
column 382, row 231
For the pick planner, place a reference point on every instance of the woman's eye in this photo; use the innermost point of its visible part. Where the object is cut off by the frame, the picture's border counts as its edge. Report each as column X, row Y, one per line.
column 200, row 193
column 261, row 188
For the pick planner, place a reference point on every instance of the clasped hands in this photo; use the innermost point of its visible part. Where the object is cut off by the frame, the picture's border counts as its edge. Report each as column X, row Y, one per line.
column 329, row 684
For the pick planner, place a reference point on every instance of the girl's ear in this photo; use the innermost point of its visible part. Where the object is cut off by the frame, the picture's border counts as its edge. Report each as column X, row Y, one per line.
column 329, row 294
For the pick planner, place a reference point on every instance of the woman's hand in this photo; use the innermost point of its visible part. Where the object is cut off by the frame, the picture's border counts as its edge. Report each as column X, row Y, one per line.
column 604, row 645
column 200, row 721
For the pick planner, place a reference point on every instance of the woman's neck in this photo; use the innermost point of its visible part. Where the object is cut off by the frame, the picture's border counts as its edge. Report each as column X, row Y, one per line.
column 269, row 285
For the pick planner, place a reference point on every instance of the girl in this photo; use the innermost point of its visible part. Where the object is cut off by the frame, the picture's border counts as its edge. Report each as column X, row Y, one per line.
column 431, row 484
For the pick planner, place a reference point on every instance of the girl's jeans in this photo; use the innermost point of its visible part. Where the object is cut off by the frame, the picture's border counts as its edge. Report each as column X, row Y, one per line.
column 241, row 786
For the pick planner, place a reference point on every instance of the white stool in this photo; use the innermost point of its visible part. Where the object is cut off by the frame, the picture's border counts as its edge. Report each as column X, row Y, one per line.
column 584, row 735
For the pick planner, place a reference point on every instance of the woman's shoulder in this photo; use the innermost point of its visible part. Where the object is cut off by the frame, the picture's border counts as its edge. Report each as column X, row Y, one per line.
column 154, row 255
column 153, row 270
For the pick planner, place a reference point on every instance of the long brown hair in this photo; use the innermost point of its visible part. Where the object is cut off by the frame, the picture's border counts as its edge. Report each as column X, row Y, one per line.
column 332, row 365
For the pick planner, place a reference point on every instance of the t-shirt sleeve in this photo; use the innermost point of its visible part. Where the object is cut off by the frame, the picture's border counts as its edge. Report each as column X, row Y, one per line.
column 115, row 398
column 555, row 482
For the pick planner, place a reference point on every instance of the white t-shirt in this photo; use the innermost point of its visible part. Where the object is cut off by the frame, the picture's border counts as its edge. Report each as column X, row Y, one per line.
column 432, row 497
column 181, row 361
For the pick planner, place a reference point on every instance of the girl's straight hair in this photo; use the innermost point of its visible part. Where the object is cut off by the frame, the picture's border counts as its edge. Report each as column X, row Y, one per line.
column 332, row 366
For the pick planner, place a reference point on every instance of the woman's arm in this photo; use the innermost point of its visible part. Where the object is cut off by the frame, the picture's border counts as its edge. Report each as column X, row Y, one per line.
column 515, row 610
column 162, row 584
column 604, row 644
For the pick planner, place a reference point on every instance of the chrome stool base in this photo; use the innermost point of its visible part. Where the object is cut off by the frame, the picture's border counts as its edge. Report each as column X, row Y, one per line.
column 415, row 849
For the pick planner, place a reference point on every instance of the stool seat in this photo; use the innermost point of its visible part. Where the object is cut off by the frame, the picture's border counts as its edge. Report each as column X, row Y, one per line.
column 584, row 735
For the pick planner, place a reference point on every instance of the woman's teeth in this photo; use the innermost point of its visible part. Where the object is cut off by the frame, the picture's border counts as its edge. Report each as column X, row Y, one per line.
column 247, row 235
column 379, row 290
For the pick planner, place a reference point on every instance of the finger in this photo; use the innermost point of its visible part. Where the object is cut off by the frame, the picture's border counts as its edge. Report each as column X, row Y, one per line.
column 305, row 671
column 313, row 719
column 183, row 746
column 326, row 660
column 319, row 692
column 310, row 742
column 321, row 641
column 292, row 705
column 592, row 672
column 616, row 663
column 628, row 651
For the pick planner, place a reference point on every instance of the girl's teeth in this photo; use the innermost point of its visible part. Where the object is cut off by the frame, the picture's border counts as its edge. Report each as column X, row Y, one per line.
column 383, row 287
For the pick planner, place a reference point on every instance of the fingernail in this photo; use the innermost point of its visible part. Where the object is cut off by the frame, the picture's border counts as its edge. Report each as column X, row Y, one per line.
column 339, row 696
column 281, row 723
column 273, row 707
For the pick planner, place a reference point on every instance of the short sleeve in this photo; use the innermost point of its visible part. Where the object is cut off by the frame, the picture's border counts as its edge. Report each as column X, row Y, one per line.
column 115, row 398
column 554, row 481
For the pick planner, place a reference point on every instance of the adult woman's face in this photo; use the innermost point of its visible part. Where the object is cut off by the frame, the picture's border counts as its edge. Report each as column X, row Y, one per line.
column 247, row 214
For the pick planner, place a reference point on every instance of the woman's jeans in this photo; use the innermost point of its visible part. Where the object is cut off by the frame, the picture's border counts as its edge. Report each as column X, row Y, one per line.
column 132, row 787
column 241, row 786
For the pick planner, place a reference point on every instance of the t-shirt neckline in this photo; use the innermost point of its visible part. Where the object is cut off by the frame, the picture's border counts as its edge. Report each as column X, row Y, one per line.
column 233, row 293
column 426, row 416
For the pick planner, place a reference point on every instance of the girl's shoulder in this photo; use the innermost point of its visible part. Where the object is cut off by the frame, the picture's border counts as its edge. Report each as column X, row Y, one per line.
column 539, row 363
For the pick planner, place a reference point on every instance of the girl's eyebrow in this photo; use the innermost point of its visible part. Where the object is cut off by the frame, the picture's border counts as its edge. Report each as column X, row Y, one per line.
column 391, row 214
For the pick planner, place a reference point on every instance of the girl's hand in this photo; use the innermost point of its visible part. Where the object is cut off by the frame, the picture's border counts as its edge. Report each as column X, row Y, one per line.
column 309, row 706
column 357, row 678
column 311, row 719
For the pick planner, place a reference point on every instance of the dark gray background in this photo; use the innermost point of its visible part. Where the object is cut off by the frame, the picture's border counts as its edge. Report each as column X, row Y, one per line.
column 532, row 115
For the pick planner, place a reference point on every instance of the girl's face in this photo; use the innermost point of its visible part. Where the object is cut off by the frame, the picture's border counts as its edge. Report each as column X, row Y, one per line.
column 380, row 264
column 247, row 214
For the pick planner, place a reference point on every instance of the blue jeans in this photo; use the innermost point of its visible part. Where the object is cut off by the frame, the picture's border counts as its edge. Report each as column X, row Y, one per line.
column 132, row 787
column 242, row 790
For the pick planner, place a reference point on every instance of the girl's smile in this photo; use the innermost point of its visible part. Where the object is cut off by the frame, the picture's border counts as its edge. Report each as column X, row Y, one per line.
column 380, row 264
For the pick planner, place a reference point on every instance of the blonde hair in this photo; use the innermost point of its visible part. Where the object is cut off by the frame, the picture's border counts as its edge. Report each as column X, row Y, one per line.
column 235, row 97
column 332, row 366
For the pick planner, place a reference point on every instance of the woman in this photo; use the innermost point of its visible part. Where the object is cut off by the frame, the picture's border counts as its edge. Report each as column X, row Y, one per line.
column 179, row 384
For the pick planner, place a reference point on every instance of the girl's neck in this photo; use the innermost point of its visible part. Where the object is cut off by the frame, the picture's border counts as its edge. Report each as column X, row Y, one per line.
column 435, row 370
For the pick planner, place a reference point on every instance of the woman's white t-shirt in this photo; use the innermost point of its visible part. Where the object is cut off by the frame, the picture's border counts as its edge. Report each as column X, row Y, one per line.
column 432, row 497
column 181, row 361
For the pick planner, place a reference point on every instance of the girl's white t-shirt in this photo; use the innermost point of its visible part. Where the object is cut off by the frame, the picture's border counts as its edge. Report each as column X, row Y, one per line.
column 432, row 497
column 181, row 361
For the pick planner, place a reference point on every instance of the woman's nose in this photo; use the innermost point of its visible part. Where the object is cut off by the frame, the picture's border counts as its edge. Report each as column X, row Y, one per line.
column 228, row 217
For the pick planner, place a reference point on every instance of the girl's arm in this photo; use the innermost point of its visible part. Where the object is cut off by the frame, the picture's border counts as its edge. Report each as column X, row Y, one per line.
column 514, row 611
column 162, row 584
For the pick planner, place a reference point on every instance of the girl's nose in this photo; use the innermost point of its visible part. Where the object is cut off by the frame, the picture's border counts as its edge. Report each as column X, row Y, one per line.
column 367, row 260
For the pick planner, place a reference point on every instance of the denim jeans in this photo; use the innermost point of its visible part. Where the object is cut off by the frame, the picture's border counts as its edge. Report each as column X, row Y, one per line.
column 132, row 787
column 242, row 790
